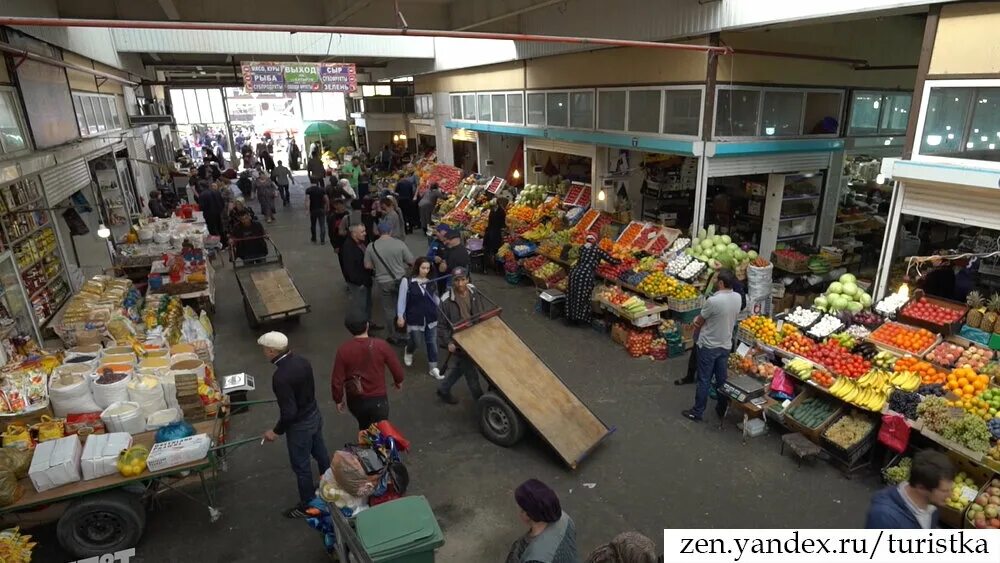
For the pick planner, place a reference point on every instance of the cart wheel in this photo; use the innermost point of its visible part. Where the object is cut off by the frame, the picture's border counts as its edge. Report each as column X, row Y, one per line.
column 498, row 421
column 251, row 318
column 102, row 523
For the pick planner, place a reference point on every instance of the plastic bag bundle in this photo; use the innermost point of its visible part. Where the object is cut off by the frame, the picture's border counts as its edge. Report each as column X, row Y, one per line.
column 162, row 418
column 169, row 387
column 69, row 390
column 124, row 416
column 174, row 431
column 350, row 475
column 15, row 460
column 759, row 282
column 146, row 391
column 109, row 388
column 10, row 490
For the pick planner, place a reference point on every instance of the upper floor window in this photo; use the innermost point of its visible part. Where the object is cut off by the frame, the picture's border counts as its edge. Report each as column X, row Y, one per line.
column 12, row 131
column 748, row 111
column 96, row 113
column 878, row 113
column 962, row 121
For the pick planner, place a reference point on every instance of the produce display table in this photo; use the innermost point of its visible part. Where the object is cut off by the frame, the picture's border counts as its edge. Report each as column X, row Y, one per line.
column 802, row 447
column 749, row 410
column 649, row 317
column 204, row 297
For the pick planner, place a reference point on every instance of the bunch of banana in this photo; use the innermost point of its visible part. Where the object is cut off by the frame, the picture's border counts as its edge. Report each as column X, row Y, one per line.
column 875, row 379
column 802, row 368
column 906, row 380
column 851, row 391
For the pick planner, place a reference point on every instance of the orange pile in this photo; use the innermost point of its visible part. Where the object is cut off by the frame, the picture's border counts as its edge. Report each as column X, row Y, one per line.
column 914, row 340
column 927, row 372
column 967, row 384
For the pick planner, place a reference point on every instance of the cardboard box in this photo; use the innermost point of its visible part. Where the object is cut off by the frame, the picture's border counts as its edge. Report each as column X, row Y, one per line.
column 178, row 452
column 55, row 463
column 100, row 454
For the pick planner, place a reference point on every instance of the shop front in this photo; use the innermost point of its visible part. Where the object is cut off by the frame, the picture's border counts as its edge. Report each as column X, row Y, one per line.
column 465, row 148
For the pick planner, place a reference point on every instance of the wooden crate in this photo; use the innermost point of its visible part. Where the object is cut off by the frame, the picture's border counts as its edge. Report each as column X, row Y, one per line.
column 946, row 330
column 814, row 434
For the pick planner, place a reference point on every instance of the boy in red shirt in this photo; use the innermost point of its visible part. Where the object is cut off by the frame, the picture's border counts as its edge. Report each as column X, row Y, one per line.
column 358, row 379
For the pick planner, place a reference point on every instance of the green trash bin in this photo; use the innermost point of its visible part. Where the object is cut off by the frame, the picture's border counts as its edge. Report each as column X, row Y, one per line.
column 400, row 531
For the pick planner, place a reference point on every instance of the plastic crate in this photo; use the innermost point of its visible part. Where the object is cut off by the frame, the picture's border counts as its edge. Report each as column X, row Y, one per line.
column 854, row 453
column 684, row 305
column 513, row 278
column 686, row 317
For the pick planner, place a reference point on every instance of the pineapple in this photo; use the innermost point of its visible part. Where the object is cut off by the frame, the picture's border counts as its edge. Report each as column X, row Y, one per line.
column 975, row 302
column 992, row 315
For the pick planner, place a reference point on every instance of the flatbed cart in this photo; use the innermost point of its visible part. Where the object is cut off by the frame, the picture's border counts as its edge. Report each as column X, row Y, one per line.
column 108, row 514
column 524, row 391
column 269, row 294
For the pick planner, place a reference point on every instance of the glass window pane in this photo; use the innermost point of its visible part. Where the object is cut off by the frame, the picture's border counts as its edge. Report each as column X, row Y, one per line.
column 499, row 104
column 644, row 111
column 218, row 108
column 581, row 108
column 557, row 109
column 865, row 111
column 106, row 108
column 204, row 106
column 383, row 90
column 393, row 105
column 88, row 112
column 536, row 109
column 178, row 107
column 944, row 124
column 515, row 108
column 191, row 103
column 683, row 112
column 408, row 105
column 782, row 114
column 469, row 106
column 367, row 90
column 895, row 114
column 77, row 106
column 115, row 117
column 484, row 107
column 375, row 105
column 736, row 113
column 456, row 107
column 10, row 129
column 611, row 110
column 822, row 113
column 985, row 135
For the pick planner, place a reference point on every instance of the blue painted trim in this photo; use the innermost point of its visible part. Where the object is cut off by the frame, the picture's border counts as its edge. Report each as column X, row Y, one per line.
column 777, row 147
column 945, row 166
column 617, row 140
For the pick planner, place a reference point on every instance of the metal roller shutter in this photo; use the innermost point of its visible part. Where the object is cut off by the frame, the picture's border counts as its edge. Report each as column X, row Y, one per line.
column 563, row 147
column 953, row 203
column 64, row 180
column 790, row 162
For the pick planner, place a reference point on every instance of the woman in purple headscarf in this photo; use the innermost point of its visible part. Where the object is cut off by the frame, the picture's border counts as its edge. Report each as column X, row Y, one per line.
column 551, row 536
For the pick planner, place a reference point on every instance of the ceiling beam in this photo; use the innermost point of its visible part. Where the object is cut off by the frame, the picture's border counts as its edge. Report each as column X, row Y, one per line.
column 344, row 15
column 511, row 14
column 170, row 9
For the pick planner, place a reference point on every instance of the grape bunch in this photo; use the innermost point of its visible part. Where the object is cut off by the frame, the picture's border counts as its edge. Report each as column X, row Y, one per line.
column 898, row 473
column 994, row 427
column 934, row 389
column 970, row 431
column 934, row 411
column 905, row 403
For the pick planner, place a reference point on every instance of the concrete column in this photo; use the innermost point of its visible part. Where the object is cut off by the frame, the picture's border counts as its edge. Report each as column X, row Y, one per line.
column 442, row 135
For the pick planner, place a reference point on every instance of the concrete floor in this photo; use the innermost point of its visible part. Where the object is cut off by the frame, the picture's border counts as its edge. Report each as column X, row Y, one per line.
column 657, row 470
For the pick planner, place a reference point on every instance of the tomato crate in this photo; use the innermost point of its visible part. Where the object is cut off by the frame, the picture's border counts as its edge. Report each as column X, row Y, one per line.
column 946, row 329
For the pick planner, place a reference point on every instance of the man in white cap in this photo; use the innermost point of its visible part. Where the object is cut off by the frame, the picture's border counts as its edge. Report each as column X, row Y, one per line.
column 300, row 420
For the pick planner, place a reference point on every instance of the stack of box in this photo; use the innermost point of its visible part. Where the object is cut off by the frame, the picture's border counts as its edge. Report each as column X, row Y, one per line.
column 187, row 396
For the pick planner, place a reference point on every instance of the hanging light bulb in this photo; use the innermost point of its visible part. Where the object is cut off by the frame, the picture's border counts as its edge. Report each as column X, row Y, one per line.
column 103, row 231
column 517, row 174
column 395, row 138
column 904, row 290
column 601, row 196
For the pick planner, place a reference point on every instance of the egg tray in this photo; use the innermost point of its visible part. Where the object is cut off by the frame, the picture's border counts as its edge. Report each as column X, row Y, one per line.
column 697, row 273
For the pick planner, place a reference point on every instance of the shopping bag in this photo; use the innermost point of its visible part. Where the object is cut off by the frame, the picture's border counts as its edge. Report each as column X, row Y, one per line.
column 390, row 431
column 781, row 383
column 17, row 436
column 50, row 428
column 894, row 433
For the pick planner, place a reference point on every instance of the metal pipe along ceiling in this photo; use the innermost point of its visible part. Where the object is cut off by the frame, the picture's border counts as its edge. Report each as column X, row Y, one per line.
column 7, row 48
column 346, row 30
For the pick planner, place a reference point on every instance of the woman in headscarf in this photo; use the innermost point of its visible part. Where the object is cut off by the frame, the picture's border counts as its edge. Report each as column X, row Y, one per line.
column 581, row 281
column 551, row 536
column 493, row 239
column 294, row 155
column 627, row 547
column 239, row 209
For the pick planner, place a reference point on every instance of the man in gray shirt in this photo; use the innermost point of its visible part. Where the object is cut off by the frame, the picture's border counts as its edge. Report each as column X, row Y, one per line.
column 390, row 259
column 715, row 339
column 282, row 177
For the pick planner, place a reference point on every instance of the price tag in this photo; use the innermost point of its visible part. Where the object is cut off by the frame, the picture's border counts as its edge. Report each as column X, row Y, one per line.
column 779, row 325
column 742, row 350
column 969, row 493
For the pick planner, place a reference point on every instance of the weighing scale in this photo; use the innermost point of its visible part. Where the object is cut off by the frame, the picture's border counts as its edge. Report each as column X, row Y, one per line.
column 743, row 388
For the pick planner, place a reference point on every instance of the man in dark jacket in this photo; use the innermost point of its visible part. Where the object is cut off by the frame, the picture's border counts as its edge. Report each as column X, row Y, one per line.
column 406, row 191
column 156, row 207
column 358, row 278
column 300, row 420
column 213, row 206
column 461, row 303
column 913, row 505
column 454, row 255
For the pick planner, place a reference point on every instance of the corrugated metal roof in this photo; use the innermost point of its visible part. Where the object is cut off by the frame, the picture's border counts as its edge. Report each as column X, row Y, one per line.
column 267, row 43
